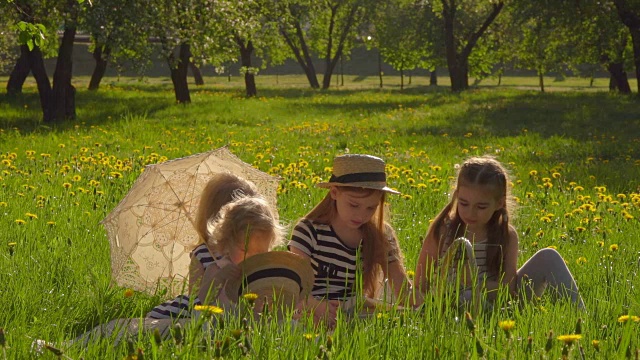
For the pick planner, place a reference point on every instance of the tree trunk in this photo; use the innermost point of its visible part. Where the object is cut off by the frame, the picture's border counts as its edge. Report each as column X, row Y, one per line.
column 401, row 79
column 197, row 74
column 39, row 71
column 179, row 74
column 63, row 93
column 380, row 73
column 635, row 41
column 302, row 55
column 632, row 21
column 331, row 62
column 245, row 60
column 101, row 56
column 458, row 60
column 619, row 80
column 459, row 74
column 453, row 58
column 341, row 70
column 433, row 78
column 541, row 81
column 19, row 73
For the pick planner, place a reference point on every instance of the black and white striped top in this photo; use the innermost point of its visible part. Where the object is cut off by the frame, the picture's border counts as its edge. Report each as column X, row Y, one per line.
column 480, row 253
column 180, row 307
column 334, row 263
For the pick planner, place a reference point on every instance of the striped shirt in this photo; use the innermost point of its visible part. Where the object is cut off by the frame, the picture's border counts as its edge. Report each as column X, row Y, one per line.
column 180, row 307
column 480, row 253
column 334, row 263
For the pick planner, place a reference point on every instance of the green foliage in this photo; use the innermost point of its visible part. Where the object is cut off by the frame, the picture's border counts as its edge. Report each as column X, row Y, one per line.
column 399, row 35
column 30, row 34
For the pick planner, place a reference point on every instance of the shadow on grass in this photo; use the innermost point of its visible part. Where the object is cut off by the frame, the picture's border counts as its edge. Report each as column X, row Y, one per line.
column 580, row 116
column 576, row 115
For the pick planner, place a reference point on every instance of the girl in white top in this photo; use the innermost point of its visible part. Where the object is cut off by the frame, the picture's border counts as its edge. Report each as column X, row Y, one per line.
column 476, row 220
column 346, row 238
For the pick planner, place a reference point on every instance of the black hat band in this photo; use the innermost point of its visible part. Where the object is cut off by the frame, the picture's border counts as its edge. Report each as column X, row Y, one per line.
column 271, row 272
column 359, row 177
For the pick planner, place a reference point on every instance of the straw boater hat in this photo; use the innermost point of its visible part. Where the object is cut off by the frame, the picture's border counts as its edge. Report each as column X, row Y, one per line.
column 279, row 275
column 354, row 170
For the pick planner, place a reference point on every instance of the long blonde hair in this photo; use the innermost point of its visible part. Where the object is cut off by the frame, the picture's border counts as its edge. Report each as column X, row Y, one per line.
column 220, row 190
column 375, row 233
column 477, row 171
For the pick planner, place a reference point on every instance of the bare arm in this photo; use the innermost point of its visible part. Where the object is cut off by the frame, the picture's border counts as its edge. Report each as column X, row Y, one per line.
column 401, row 285
column 511, row 260
column 196, row 272
column 426, row 263
column 323, row 310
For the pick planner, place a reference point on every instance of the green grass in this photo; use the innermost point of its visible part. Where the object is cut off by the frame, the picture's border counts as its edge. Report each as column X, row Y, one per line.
column 584, row 145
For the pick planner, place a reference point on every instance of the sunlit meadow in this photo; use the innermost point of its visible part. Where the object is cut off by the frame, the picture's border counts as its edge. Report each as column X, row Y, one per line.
column 574, row 158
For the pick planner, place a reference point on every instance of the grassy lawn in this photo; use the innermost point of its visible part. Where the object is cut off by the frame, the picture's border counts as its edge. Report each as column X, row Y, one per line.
column 574, row 158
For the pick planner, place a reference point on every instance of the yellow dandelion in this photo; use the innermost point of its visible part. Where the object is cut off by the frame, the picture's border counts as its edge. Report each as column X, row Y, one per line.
column 533, row 173
column 556, row 175
column 209, row 309
column 569, row 339
column 580, row 229
column 507, row 325
column 250, row 297
column 31, row 216
column 540, row 233
column 407, row 197
column 308, row 336
column 62, row 146
column 411, row 274
column 621, row 196
column 6, row 162
column 12, row 244
column 115, row 175
column 625, row 318
column 552, row 247
column 613, row 247
column 601, row 243
column 76, row 178
column 596, row 344
column 3, row 204
column 66, row 185
column 578, row 188
column 545, row 219
column 581, row 260
column 128, row 293
column 51, row 223
column 20, row 222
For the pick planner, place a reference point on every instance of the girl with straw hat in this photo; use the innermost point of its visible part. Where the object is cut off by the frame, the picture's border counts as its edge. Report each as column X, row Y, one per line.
column 345, row 237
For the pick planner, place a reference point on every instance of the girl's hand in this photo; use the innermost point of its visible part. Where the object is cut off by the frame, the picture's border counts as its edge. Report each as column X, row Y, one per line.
column 323, row 310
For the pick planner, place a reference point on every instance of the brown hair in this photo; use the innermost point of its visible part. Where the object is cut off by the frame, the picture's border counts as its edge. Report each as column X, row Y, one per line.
column 220, row 190
column 241, row 218
column 477, row 171
column 375, row 234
